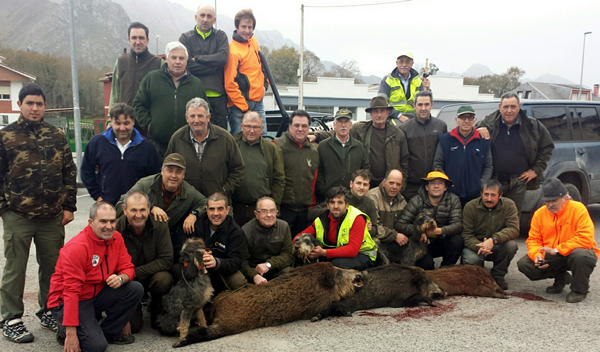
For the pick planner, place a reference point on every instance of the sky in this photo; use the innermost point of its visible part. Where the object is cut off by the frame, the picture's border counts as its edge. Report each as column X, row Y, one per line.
column 540, row 37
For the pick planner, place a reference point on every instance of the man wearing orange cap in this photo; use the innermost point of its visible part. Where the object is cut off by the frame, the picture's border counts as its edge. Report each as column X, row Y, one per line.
column 445, row 208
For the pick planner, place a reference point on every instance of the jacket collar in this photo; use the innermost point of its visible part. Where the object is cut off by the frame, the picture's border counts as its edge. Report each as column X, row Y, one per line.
column 24, row 123
column 397, row 198
column 456, row 134
column 89, row 233
column 238, row 38
column 141, row 56
column 136, row 136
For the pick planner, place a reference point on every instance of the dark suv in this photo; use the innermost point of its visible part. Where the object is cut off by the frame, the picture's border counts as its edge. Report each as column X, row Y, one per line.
column 575, row 130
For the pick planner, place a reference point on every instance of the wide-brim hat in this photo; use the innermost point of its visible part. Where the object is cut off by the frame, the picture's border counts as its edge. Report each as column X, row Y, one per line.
column 438, row 174
column 174, row 159
column 378, row 103
column 553, row 189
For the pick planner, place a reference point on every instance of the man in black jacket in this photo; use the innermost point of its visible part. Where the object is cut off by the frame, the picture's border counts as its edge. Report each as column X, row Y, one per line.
column 225, row 244
column 208, row 50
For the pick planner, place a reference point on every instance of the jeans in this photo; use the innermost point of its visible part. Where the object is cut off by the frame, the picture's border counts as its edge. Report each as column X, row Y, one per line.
column 235, row 114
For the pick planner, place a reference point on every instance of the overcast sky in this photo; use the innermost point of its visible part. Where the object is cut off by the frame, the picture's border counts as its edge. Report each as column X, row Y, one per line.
column 541, row 37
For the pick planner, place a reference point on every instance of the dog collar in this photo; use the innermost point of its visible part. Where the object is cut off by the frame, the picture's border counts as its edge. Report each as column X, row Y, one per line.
column 200, row 267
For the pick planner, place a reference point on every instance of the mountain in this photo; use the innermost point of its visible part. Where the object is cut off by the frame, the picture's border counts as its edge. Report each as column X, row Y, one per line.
column 99, row 28
column 552, row 79
column 477, row 70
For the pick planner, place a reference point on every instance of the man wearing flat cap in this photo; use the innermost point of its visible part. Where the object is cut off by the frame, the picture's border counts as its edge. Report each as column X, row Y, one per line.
column 401, row 85
column 444, row 207
column 561, row 239
column 464, row 156
column 339, row 156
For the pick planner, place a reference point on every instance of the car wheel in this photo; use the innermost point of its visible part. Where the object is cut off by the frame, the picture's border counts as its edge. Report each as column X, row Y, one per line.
column 573, row 191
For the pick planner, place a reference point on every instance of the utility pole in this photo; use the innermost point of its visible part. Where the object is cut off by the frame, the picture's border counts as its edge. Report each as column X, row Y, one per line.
column 75, row 80
column 582, row 57
column 301, row 67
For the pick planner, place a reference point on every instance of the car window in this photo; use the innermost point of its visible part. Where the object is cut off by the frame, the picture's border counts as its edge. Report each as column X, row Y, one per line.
column 555, row 120
column 448, row 112
column 588, row 121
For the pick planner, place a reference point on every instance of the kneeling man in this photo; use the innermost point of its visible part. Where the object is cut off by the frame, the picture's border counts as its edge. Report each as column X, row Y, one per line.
column 269, row 244
column 94, row 274
column 343, row 234
column 561, row 238
column 490, row 226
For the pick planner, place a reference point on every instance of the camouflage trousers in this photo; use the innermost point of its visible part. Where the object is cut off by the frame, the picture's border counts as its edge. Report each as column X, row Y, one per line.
column 49, row 238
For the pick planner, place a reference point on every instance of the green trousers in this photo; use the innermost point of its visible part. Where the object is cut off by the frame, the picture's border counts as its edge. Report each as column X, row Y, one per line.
column 49, row 238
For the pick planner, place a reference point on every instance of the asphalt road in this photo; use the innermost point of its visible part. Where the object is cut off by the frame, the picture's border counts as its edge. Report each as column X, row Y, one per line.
column 539, row 321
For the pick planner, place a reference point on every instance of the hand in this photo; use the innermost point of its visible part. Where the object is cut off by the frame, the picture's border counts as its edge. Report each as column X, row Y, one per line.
column 547, row 250
column 113, row 281
column 424, row 238
column 370, row 226
column 528, row 176
column 312, row 138
column 262, row 268
column 159, row 214
column 71, row 340
column 188, row 224
column 403, row 118
column 259, row 280
column 401, row 239
column 99, row 199
column 67, row 217
column 485, row 247
column 539, row 258
column 426, row 84
column 483, row 131
column 209, row 261
column 317, row 252
column 127, row 329
column 434, row 232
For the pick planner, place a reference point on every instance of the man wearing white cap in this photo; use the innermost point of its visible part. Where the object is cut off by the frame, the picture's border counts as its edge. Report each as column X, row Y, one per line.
column 400, row 86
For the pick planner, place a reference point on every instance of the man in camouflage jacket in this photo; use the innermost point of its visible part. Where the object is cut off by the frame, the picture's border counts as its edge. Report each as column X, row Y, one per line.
column 38, row 182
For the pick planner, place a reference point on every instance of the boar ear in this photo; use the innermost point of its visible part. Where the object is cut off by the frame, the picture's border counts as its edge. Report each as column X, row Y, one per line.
column 329, row 278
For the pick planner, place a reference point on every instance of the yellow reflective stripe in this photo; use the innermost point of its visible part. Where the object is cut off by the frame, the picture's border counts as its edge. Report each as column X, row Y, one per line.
column 212, row 93
column 203, row 35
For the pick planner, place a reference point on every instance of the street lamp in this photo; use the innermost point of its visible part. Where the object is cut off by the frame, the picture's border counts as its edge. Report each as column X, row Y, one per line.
column 157, row 38
column 582, row 57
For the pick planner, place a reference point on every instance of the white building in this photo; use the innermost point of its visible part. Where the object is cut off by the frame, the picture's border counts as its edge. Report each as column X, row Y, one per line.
column 329, row 94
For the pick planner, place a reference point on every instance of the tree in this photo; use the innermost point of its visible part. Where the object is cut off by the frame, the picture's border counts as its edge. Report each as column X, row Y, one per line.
column 498, row 84
column 433, row 69
column 284, row 63
column 313, row 67
column 347, row 69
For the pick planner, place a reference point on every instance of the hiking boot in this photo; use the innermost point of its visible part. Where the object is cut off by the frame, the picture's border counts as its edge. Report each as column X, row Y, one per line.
column 575, row 297
column 501, row 282
column 123, row 340
column 15, row 331
column 47, row 321
column 560, row 281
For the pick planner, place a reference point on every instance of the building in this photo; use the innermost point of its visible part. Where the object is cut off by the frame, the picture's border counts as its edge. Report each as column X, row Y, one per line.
column 554, row 91
column 11, row 82
column 328, row 94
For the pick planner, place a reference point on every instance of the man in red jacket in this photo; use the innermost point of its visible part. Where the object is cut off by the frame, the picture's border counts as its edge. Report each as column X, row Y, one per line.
column 94, row 274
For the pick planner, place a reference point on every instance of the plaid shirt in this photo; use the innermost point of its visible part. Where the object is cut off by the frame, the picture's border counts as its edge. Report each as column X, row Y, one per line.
column 199, row 145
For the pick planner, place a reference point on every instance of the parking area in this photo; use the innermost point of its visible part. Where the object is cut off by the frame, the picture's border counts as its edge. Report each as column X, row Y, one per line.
column 528, row 319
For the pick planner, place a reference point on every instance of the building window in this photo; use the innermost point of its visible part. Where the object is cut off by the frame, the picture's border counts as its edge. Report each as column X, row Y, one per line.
column 527, row 94
column 320, row 109
column 5, row 119
column 4, row 93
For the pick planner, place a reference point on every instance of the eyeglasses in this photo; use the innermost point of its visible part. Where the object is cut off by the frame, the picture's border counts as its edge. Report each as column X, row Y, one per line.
column 466, row 117
column 267, row 212
column 252, row 127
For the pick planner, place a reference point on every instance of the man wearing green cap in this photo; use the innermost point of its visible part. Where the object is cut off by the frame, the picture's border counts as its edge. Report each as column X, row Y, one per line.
column 339, row 156
column 400, row 86
column 464, row 156
column 445, row 240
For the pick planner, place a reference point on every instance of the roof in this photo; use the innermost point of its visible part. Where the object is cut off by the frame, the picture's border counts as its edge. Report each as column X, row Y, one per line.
column 541, row 90
column 24, row 74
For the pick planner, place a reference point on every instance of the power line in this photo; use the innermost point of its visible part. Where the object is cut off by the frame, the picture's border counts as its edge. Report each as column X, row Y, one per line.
column 359, row 5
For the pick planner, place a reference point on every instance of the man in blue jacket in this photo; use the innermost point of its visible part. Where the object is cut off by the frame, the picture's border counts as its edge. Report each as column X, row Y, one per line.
column 115, row 160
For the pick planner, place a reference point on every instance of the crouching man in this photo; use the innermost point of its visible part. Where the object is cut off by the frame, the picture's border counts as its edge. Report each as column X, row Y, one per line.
column 561, row 238
column 269, row 244
column 490, row 226
column 225, row 245
column 343, row 234
column 93, row 275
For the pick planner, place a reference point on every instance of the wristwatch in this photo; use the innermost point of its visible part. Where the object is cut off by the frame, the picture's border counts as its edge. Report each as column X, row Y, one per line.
column 121, row 279
column 194, row 212
column 495, row 238
column 268, row 265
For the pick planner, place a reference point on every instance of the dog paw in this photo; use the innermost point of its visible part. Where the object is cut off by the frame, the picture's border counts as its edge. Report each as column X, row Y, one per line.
column 180, row 343
column 315, row 318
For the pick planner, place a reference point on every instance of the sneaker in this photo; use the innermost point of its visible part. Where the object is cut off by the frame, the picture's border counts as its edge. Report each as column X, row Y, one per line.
column 561, row 280
column 48, row 321
column 123, row 340
column 502, row 283
column 574, row 297
column 15, row 331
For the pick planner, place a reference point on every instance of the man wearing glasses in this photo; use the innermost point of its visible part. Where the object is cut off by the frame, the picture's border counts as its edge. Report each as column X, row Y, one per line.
column 464, row 156
column 269, row 244
column 264, row 176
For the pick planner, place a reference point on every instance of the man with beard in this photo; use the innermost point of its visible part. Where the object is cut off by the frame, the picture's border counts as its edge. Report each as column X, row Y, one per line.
column 343, row 236
column 389, row 204
column 490, row 227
